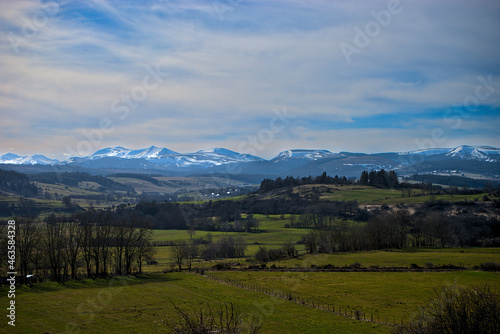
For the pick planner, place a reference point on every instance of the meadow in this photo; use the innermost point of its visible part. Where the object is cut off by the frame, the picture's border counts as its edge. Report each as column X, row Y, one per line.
column 141, row 304
column 388, row 296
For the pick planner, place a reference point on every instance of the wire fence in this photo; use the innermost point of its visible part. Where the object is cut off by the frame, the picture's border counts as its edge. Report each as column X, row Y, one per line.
column 309, row 302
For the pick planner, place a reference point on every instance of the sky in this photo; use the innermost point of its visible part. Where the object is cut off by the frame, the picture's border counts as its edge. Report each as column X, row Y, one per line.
column 256, row 77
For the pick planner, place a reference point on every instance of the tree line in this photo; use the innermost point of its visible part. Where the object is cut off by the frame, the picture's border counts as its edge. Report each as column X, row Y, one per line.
column 269, row 184
column 184, row 252
column 430, row 225
column 91, row 244
column 379, row 179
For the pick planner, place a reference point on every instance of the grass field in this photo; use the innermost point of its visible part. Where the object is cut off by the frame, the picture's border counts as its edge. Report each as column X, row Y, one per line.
column 384, row 294
column 468, row 258
column 138, row 305
column 372, row 195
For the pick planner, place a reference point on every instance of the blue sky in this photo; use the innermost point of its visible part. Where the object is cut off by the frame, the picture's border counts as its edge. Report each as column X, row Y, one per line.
column 363, row 76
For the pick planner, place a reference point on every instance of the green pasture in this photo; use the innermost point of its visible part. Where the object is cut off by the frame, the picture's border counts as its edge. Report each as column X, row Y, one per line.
column 468, row 257
column 139, row 305
column 394, row 296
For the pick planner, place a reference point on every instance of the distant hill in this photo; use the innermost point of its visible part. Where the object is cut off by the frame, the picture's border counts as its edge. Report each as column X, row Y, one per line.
column 17, row 183
column 73, row 180
column 455, row 181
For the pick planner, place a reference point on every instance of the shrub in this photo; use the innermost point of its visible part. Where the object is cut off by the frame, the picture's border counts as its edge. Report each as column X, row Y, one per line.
column 429, row 265
column 490, row 266
column 457, row 310
column 224, row 319
column 355, row 265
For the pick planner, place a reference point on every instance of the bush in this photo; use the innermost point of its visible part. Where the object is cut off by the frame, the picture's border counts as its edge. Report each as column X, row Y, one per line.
column 490, row 266
column 355, row 265
column 224, row 319
column 221, row 266
column 457, row 310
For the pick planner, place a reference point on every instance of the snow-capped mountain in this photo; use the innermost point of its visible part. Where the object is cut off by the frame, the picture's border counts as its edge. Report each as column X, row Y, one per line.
column 466, row 152
column 35, row 159
column 464, row 159
column 122, row 152
column 474, row 152
column 164, row 157
column 304, row 154
column 223, row 152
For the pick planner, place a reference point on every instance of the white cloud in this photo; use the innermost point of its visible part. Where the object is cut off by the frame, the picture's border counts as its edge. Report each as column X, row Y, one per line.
column 230, row 73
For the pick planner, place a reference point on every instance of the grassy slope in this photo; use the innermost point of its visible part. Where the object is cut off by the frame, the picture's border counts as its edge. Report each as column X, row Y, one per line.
column 138, row 306
column 372, row 195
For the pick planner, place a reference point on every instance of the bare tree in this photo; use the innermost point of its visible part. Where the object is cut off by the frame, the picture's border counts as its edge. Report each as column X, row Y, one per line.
column 86, row 239
column 191, row 253
column 179, row 251
column 28, row 239
column 55, row 243
column 72, row 249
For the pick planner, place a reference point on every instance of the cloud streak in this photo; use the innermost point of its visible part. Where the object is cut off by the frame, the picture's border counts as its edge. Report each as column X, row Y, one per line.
column 226, row 75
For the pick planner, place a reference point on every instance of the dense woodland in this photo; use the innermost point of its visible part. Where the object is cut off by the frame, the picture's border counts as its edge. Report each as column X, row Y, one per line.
column 290, row 181
column 17, row 183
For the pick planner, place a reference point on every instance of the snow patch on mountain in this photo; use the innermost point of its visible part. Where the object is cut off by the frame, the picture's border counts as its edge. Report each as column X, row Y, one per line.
column 473, row 152
column 303, row 154
column 122, row 152
column 427, row 152
column 35, row 159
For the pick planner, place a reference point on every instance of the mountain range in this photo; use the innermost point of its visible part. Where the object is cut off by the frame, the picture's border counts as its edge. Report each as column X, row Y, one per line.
column 484, row 160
